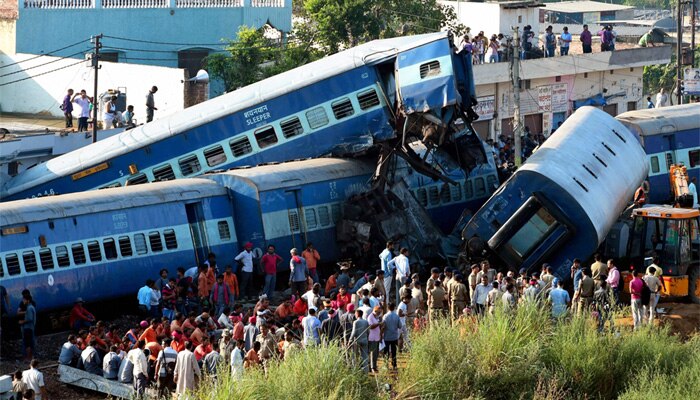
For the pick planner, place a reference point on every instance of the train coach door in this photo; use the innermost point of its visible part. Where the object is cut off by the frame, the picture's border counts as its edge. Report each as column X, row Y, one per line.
column 295, row 212
column 195, row 219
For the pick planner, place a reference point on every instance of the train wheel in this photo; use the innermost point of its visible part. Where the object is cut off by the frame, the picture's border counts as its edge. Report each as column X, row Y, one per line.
column 694, row 284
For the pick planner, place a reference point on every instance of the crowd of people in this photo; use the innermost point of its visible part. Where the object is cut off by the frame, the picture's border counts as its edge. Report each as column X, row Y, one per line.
column 111, row 116
column 484, row 50
column 201, row 323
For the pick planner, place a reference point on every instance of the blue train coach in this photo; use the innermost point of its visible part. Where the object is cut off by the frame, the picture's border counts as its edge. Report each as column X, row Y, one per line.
column 670, row 135
column 106, row 243
column 562, row 202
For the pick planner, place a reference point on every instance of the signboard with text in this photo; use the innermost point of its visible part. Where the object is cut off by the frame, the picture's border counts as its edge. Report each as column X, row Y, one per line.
column 691, row 81
column 486, row 107
column 560, row 98
column 544, row 98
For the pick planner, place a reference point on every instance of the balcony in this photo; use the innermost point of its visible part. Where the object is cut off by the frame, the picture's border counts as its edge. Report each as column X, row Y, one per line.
column 96, row 4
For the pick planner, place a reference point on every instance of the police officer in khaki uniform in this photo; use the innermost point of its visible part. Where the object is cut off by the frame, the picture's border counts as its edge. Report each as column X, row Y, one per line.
column 459, row 297
column 586, row 289
column 436, row 302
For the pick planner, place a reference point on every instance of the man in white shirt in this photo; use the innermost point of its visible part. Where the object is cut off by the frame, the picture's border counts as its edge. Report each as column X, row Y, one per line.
column 661, row 98
column 385, row 257
column 84, row 102
column 224, row 321
column 481, row 294
column 245, row 261
column 140, row 372
column 403, row 269
column 693, row 190
column 654, row 285
column 34, row 380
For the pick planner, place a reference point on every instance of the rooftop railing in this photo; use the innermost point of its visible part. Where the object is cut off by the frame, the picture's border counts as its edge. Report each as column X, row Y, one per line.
column 82, row 4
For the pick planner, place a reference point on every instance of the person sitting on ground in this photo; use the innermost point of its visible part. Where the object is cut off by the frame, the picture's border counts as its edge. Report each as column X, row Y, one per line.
column 70, row 353
column 111, row 364
column 90, row 360
column 80, row 318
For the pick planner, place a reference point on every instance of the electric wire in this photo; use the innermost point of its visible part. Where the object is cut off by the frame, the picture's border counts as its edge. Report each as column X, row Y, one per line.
column 45, row 54
column 46, row 63
column 43, row 73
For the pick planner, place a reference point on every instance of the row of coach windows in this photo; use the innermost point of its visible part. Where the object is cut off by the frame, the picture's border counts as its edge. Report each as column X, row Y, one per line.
column 264, row 137
column 93, row 251
column 447, row 193
column 693, row 160
column 315, row 217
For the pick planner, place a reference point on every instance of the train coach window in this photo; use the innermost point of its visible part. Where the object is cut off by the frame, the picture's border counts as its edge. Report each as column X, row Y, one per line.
column 654, row 164
column 137, row 180
column 480, row 187
column 215, row 156
column 291, row 127
column 125, row 246
column 342, row 109
column 430, row 68
column 368, row 99
column 492, row 183
column 240, row 147
column 29, row 259
column 532, row 233
column 78, row 253
column 335, row 213
column 189, row 165
column 170, row 239
column 294, row 221
column 156, row 243
column 140, row 243
column 12, row 262
column 310, row 215
column 110, row 248
column 111, row 185
column 456, row 192
column 433, row 195
column 224, row 230
column 2, row 269
column 422, row 197
column 324, row 217
column 445, row 195
column 468, row 189
column 694, row 158
column 94, row 251
column 164, row 173
column 265, row 136
column 317, row 117
column 62, row 256
column 46, row 259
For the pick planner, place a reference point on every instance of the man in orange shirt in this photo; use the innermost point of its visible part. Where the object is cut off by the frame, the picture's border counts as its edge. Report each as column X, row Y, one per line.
column 331, row 285
column 231, row 281
column 150, row 335
column 101, row 346
column 312, row 258
column 285, row 312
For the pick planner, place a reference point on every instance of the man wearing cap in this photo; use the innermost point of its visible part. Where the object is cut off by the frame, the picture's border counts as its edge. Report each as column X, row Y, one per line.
column 599, row 269
column 312, row 258
column 459, row 297
column 80, row 317
column 298, row 272
column 436, row 302
column 559, row 298
column 374, row 337
column 385, row 257
column 245, row 261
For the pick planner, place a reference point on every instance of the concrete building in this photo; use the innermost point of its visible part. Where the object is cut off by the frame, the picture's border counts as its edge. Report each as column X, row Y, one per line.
column 552, row 88
column 168, row 33
column 585, row 12
column 495, row 17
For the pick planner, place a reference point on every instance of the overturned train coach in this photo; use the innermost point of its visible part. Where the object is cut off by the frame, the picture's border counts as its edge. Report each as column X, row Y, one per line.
column 562, row 202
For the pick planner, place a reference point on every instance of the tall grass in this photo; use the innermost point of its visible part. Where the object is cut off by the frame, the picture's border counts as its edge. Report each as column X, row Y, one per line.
column 315, row 373
column 526, row 354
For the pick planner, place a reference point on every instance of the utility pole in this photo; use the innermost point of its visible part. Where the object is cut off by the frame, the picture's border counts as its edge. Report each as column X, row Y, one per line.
column 95, row 100
column 679, row 52
column 517, row 119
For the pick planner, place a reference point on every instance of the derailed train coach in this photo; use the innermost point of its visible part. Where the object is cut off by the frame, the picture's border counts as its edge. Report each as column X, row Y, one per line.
column 380, row 92
column 562, row 202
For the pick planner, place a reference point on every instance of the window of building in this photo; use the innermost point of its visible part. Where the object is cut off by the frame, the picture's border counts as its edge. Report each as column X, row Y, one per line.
column 110, row 248
column 191, row 60
column 324, row 217
column 291, row 127
column 368, row 99
column 294, row 221
column 431, row 68
column 224, row 230
column 78, row 253
column 694, row 158
column 342, row 109
column 189, row 165
column 111, row 56
column 317, row 117
column 29, row 259
column 170, row 239
column 525, row 84
column 265, row 136
column 46, row 259
column 140, row 243
column 94, row 251
column 310, row 215
column 240, row 147
column 62, row 258
column 215, row 155
column 156, row 242
column 125, row 246
column 557, row 78
column 480, row 187
column 422, row 197
column 631, row 105
column 12, row 262
column 163, row 173
column 137, row 179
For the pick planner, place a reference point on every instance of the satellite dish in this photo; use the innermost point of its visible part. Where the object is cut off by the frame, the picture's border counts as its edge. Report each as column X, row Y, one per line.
column 201, row 77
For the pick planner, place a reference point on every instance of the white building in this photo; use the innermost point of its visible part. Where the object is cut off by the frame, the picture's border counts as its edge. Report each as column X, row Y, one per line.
column 494, row 17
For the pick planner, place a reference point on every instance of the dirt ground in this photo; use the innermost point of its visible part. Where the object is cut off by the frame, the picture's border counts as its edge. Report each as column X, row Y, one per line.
column 683, row 318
